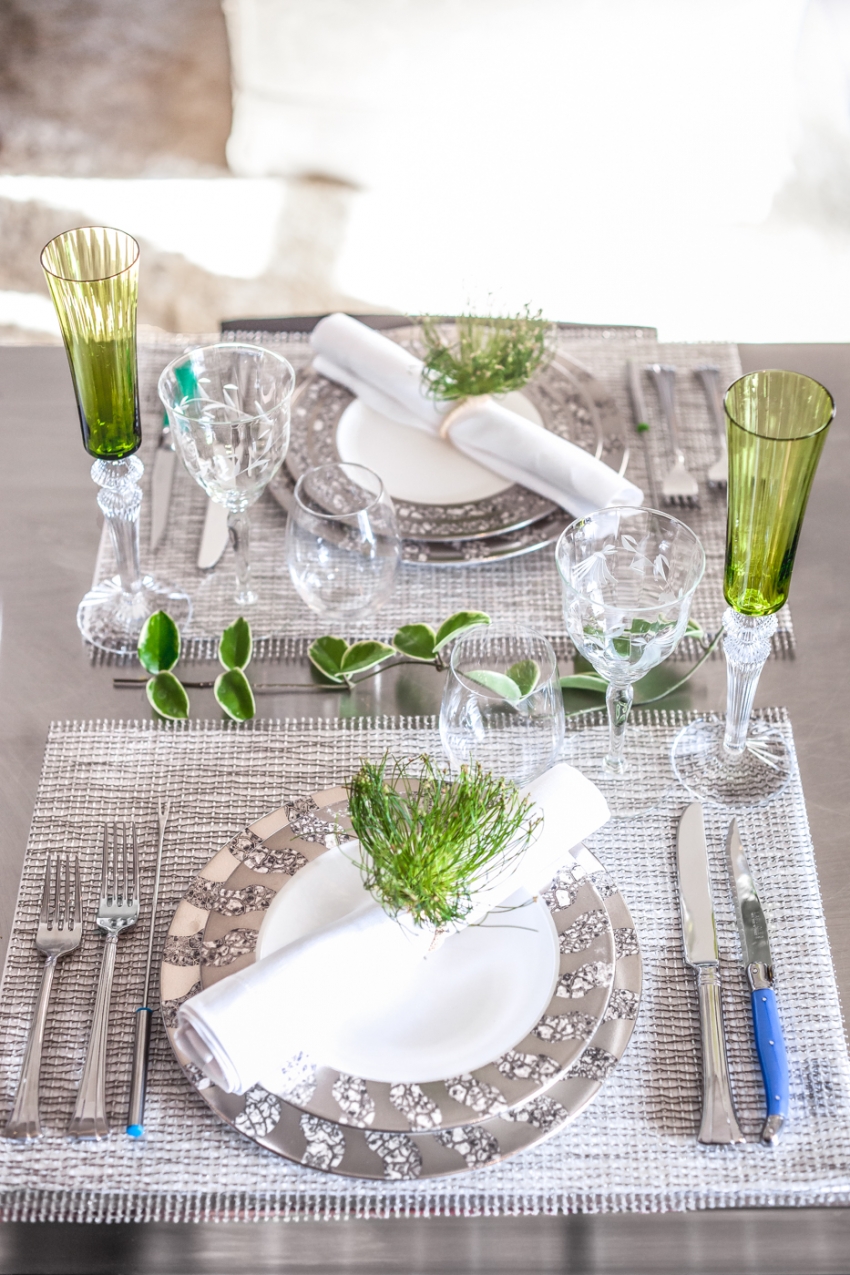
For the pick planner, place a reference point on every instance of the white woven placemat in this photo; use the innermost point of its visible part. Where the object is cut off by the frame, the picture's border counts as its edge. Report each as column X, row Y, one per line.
column 526, row 586
column 634, row 1149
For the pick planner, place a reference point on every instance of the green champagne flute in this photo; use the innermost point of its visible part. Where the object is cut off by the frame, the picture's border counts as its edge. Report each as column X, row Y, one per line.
column 92, row 274
column 776, row 424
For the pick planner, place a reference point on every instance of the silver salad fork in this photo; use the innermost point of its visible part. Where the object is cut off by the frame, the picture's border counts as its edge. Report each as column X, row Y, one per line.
column 678, row 487
column 117, row 910
column 709, row 374
column 60, row 927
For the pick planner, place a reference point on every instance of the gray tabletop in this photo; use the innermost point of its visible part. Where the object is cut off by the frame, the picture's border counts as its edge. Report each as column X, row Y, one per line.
column 50, row 533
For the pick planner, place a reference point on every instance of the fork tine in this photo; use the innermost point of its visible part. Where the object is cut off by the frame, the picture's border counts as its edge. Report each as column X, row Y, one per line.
column 78, row 901
column 104, row 862
column 61, row 890
column 135, row 863
column 123, row 863
column 44, row 914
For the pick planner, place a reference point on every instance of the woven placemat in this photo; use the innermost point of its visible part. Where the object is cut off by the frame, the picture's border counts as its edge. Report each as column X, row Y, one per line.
column 526, row 586
column 634, row 1149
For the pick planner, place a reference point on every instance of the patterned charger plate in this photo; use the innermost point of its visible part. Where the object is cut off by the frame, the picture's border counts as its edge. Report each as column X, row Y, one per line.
column 214, row 933
column 334, row 1147
column 570, row 402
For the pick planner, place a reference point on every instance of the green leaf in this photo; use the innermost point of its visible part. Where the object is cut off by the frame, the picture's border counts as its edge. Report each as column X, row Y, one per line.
column 159, row 643
column 584, row 682
column 236, row 645
column 326, row 654
column 526, row 674
column 498, row 682
column 234, row 694
column 362, row 655
column 417, row 641
column 694, row 630
column 167, row 695
column 457, row 624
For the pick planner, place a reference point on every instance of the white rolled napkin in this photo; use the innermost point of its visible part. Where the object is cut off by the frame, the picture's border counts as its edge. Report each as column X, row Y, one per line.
column 388, row 379
column 246, row 1026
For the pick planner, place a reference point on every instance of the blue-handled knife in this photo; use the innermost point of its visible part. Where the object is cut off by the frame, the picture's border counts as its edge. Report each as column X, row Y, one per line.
column 768, row 1029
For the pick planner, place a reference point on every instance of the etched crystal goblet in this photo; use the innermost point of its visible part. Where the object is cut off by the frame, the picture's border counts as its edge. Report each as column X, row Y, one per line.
column 92, row 274
column 776, row 425
column 628, row 577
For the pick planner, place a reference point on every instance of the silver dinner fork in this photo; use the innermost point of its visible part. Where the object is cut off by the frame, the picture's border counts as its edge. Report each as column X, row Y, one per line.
column 678, row 487
column 60, row 927
column 117, row 910
column 709, row 374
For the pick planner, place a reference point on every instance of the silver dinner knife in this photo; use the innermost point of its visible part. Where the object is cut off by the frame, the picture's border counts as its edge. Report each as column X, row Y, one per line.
column 214, row 536
column 770, row 1043
column 162, row 478
column 719, row 1123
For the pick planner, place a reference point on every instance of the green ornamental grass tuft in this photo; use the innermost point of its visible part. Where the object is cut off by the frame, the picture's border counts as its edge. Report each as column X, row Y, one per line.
column 487, row 355
column 429, row 841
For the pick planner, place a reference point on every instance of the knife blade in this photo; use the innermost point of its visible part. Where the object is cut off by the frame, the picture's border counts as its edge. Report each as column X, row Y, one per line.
column 755, row 944
column 162, row 478
column 214, row 536
column 719, row 1123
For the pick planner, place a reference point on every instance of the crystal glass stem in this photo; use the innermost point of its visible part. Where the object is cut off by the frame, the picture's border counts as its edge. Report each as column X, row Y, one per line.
column 618, row 700
column 239, row 528
column 120, row 498
column 746, row 645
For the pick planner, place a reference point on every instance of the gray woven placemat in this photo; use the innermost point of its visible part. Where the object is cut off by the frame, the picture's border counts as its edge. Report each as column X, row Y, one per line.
column 526, row 586
column 633, row 1149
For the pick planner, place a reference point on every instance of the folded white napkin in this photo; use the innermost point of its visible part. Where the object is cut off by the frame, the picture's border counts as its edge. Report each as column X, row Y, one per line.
column 389, row 379
column 245, row 1026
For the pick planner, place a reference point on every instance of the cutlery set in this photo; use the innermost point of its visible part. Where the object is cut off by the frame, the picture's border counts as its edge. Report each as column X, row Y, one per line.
column 719, row 1124
column 59, row 932
column 679, row 486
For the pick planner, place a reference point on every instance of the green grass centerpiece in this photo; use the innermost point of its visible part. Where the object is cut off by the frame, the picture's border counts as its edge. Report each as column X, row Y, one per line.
column 487, row 355
column 429, row 841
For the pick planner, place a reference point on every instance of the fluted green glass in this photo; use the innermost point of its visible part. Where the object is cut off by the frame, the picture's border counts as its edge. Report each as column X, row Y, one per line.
column 92, row 274
column 777, row 424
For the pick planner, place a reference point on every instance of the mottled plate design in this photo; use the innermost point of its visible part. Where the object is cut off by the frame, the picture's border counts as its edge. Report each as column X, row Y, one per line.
column 331, row 1146
column 214, row 933
column 571, row 403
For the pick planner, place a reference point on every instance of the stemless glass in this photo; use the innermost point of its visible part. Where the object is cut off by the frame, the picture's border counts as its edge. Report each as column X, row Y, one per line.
column 228, row 407
column 776, row 425
column 92, row 274
column 342, row 542
column 513, row 730
column 628, row 578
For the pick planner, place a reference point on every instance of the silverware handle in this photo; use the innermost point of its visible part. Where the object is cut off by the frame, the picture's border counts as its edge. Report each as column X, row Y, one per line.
column 719, row 1122
column 710, row 377
column 138, row 1080
column 665, row 380
column 89, row 1118
column 24, row 1123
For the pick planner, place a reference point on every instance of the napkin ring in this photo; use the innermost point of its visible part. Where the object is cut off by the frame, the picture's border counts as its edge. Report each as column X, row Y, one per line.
column 459, row 408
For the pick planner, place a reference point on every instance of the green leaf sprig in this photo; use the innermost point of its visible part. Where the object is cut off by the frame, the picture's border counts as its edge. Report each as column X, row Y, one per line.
column 232, row 688
column 159, row 651
column 487, row 355
column 336, row 660
column 428, row 840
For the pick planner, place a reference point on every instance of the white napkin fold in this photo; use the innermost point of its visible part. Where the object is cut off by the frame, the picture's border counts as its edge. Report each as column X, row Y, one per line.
column 245, row 1026
column 389, row 379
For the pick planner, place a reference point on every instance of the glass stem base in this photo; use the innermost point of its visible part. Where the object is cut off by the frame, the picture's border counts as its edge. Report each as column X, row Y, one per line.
column 618, row 700
column 746, row 645
column 239, row 529
column 111, row 614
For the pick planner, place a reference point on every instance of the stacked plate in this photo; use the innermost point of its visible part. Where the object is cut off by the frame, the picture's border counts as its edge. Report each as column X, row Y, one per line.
column 450, row 509
column 504, row 1038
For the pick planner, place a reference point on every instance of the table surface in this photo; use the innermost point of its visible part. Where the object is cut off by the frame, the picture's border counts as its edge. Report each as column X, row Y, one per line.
column 50, row 533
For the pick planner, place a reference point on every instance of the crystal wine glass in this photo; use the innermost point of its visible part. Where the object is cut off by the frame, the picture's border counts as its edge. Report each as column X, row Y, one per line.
column 628, row 578
column 502, row 702
column 92, row 274
column 776, row 425
column 342, row 541
column 228, row 407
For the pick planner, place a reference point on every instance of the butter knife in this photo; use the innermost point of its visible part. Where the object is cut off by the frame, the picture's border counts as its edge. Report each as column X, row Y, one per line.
column 214, row 536
column 719, row 1123
column 162, row 478
column 770, row 1043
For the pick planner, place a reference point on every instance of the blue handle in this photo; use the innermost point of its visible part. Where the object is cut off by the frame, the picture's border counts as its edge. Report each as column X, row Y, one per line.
column 774, row 1061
